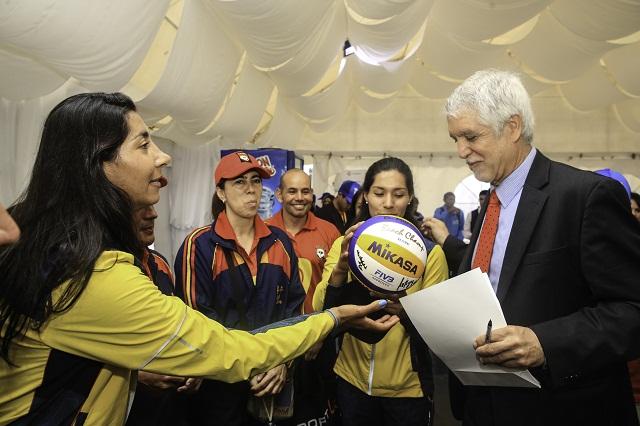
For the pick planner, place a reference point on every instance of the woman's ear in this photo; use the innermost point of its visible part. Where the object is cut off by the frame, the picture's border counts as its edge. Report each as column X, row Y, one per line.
column 220, row 193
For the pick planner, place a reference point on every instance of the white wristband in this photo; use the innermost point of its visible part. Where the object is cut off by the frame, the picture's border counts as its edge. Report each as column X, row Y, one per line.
column 336, row 321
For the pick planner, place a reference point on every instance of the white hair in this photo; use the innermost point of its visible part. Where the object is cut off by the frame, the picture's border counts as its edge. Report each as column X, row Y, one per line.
column 495, row 95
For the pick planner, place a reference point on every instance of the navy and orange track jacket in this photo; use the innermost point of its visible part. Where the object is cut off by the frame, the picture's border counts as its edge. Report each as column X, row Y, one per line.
column 270, row 286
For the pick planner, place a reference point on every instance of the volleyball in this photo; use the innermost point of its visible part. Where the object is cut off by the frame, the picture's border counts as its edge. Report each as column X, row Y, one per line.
column 387, row 254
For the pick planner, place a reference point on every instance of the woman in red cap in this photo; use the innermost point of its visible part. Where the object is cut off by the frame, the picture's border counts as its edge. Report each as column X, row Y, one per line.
column 242, row 273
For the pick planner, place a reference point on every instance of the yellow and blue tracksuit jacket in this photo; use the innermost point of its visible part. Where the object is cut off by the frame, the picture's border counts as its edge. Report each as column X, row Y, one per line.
column 79, row 368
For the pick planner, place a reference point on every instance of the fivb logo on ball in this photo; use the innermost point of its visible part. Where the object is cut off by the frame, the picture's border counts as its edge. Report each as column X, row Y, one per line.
column 387, row 254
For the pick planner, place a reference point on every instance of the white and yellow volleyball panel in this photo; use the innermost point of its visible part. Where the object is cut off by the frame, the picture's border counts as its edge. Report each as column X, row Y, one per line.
column 387, row 254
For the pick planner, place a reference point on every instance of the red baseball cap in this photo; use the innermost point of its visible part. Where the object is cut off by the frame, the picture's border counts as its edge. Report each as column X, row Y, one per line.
column 236, row 164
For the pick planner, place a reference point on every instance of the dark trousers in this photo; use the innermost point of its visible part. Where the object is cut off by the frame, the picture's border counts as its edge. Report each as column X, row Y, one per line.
column 563, row 406
column 358, row 408
column 220, row 404
column 154, row 407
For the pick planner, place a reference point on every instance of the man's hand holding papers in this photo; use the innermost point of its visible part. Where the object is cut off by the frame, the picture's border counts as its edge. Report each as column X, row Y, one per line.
column 452, row 319
column 510, row 346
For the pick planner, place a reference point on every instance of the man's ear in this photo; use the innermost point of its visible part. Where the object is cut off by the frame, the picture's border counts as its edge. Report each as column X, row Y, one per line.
column 279, row 195
column 514, row 127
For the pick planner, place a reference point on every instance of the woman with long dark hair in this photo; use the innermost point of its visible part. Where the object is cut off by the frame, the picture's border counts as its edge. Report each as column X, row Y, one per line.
column 382, row 379
column 77, row 315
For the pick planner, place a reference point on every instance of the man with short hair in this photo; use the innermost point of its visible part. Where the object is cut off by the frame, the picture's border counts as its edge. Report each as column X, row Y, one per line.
column 312, row 237
column 471, row 219
column 563, row 255
column 337, row 212
column 451, row 215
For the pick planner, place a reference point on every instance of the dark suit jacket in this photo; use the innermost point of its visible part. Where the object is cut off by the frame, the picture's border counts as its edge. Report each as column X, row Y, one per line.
column 571, row 273
column 454, row 250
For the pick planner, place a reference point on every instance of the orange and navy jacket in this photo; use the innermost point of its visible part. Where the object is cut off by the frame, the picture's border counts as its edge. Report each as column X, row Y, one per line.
column 270, row 286
column 156, row 267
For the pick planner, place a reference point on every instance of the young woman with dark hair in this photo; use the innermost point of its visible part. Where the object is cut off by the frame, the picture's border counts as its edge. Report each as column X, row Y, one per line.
column 69, row 214
column 397, row 170
column 77, row 315
column 383, row 379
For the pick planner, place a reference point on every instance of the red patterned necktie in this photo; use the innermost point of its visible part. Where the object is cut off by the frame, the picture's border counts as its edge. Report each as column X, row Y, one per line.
column 487, row 237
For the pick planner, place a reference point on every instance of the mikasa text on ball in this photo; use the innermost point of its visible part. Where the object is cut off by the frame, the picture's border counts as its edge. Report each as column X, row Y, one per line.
column 387, row 254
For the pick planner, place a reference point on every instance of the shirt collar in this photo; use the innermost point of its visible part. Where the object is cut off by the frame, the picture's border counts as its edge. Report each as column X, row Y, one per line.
column 310, row 224
column 224, row 230
column 512, row 184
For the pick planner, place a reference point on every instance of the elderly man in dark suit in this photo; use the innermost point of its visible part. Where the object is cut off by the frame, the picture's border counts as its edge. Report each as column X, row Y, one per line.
column 563, row 255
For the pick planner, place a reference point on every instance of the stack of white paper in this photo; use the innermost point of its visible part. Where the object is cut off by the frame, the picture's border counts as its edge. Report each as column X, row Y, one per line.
column 450, row 315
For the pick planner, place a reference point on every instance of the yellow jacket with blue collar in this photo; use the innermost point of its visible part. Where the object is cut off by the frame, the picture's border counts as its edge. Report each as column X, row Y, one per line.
column 80, row 367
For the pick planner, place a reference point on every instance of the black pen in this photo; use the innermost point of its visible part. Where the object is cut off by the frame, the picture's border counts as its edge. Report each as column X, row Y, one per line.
column 487, row 336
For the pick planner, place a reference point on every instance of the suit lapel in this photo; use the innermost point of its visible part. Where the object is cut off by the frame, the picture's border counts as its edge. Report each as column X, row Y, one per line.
column 530, row 206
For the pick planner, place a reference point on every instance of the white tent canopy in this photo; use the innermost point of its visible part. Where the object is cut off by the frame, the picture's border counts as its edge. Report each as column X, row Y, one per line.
column 214, row 73
column 195, row 61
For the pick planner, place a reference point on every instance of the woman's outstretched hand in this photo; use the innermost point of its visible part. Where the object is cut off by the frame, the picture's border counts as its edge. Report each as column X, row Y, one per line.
column 355, row 316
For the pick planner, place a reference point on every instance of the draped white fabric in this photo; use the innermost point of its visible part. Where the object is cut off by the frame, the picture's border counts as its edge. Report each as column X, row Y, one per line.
column 191, row 189
column 328, row 103
column 483, row 19
column 456, row 57
column 629, row 114
column 556, row 53
column 272, row 31
column 597, row 19
column 380, row 40
column 199, row 73
column 242, row 112
column 299, row 75
column 284, row 130
column 212, row 66
column 383, row 79
column 21, row 124
column 17, row 70
column 77, row 38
